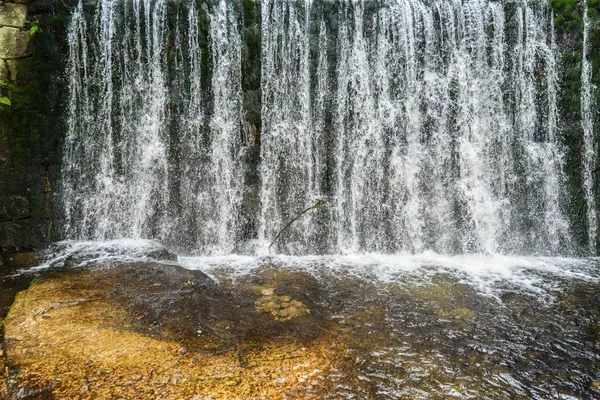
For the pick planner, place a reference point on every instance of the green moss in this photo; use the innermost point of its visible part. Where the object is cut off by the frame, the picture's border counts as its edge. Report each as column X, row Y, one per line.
column 36, row 280
column 567, row 17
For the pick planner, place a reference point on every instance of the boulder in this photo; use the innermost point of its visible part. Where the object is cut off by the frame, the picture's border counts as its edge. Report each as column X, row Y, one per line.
column 14, row 15
column 14, row 43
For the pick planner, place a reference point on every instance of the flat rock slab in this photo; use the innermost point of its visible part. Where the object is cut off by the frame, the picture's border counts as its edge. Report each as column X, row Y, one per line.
column 149, row 330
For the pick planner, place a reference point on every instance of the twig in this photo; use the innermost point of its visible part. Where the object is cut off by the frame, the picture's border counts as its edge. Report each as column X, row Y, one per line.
column 317, row 204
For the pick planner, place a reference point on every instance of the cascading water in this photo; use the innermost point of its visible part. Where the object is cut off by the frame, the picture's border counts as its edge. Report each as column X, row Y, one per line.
column 423, row 125
column 125, row 175
column 211, row 179
column 115, row 166
column 424, row 141
column 589, row 142
column 439, row 137
column 286, row 149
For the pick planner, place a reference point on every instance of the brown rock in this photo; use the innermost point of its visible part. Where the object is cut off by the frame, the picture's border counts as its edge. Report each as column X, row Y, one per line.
column 86, row 349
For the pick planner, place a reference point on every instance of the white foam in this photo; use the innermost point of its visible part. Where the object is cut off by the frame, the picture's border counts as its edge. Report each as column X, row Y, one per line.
column 83, row 253
column 488, row 273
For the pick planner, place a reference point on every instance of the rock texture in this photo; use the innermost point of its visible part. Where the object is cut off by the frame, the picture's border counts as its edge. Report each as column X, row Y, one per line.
column 13, row 15
column 31, row 68
column 144, row 331
column 14, row 37
column 14, row 208
column 13, row 42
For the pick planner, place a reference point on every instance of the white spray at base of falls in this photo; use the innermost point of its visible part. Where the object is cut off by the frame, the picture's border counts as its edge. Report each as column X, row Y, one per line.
column 424, row 126
column 589, row 141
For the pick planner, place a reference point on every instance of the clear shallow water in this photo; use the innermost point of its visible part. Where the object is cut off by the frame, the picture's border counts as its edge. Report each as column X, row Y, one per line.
column 427, row 325
column 433, row 326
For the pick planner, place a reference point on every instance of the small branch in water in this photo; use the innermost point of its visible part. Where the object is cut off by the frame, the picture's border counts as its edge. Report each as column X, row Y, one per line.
column 317, row 204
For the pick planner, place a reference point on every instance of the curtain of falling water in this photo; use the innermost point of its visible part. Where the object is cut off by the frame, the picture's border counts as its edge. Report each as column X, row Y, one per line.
column 424, row 125
column 126, row 98
column 115, row 168
column 288, row 165
column 589, row 142
column 444, row 126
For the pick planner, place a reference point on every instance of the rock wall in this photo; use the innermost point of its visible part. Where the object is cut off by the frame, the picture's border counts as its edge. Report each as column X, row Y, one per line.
column 32, row 40
column 14, row 45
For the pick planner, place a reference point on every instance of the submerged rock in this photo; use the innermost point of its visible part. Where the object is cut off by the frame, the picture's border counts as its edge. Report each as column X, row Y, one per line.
column 282, row 308
column 132, row 331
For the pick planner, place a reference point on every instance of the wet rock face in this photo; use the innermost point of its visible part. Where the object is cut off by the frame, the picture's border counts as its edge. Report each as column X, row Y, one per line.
column 188, row 306
column 13, row 208
column 31, row 128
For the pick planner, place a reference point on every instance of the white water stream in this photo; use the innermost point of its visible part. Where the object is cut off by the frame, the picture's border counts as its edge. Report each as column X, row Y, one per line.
column 426, row 126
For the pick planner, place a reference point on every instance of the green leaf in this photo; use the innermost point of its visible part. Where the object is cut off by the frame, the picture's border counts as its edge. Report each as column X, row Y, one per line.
column 5, row 101
column 34, row 28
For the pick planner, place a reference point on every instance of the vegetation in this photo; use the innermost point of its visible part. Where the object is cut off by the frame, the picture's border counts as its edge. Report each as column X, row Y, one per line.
column 34, row 26
column 4, row 101
column 188, row 285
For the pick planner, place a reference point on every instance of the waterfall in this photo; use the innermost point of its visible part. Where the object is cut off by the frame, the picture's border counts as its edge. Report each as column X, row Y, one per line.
column 440, row 140
column 589, row 140
column 115, row 167
column 286, row 148
column 122, row 166
column 422, row 125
